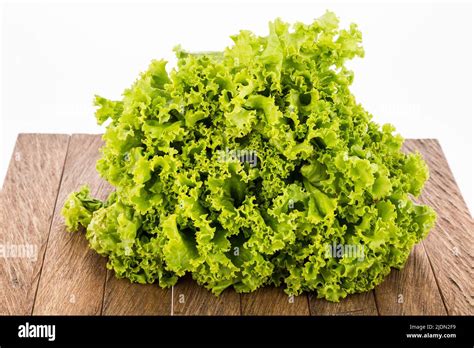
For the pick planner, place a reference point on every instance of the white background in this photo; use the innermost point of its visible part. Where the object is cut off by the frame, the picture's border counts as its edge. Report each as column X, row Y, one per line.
column 417, row 72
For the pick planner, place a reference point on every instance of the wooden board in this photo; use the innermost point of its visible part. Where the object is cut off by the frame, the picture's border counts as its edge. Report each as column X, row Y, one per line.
column 67, row 278
column 191, row 299
column 122, row 297
column 449, row 246
column 358, row 304
column 27, row 204
column 73, row 276
column 412, row 290
column 273, row 301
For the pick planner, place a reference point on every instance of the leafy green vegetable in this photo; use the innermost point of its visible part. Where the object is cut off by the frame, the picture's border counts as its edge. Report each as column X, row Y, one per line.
column 254, row 166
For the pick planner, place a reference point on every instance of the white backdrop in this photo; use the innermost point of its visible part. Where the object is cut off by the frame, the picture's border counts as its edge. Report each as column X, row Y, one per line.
column 417, row 73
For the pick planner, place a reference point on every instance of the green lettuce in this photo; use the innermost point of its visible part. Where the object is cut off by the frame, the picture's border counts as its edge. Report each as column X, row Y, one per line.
column 254, row 166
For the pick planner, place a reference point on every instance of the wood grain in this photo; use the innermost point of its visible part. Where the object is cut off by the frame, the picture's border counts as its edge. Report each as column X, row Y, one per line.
column 125, row 298
column 273, row 301
column 357, row 304
column 412, row 290
column 73, row 276
column 449, row 245
column 191, row 299
column 26, row 205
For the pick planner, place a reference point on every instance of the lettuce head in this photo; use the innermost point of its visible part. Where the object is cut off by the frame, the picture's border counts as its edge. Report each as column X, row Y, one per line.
column 254, row 166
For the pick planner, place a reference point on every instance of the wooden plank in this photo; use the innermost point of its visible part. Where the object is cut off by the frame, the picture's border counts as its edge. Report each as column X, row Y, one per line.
column 73, row 276
column 191, row 299
column 273, row 301
column 357, row 304
column 125, row 298
column 449, row 245
column 412, row 290
column 26, row 204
